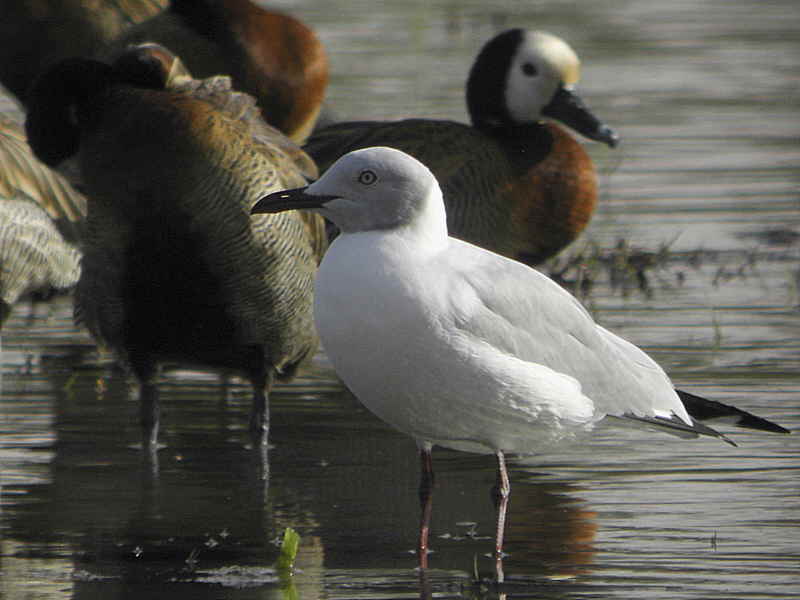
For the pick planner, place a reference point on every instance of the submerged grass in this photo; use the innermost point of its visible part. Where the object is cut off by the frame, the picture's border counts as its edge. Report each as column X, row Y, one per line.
column 631, row 270
column 288, row 554
column 285, row 564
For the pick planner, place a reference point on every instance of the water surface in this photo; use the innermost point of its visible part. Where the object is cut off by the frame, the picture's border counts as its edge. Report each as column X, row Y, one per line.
column 705, row 97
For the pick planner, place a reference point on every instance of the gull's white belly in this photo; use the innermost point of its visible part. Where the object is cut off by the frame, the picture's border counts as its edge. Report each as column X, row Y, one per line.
column 393, row 343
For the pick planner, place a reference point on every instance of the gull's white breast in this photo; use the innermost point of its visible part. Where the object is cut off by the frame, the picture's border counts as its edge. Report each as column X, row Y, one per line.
column 392, row 324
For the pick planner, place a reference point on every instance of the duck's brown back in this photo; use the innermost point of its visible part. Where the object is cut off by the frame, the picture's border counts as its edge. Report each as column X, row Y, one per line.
column 525, row 197
column 174, row 264
column 274, row 57
column 38, row 33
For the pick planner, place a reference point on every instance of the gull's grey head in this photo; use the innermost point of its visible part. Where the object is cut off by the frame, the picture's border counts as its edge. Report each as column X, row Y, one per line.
column 365, row 190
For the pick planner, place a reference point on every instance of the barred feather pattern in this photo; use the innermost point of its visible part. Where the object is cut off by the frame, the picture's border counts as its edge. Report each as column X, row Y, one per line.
column 220, row 93
column 22, row 173
column 34, row 258
column 175, row 267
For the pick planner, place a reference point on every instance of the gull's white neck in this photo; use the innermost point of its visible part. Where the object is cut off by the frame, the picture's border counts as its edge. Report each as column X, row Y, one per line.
column 426, row 232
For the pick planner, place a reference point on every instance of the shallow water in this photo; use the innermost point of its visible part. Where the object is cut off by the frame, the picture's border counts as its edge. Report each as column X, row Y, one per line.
column 705, row 97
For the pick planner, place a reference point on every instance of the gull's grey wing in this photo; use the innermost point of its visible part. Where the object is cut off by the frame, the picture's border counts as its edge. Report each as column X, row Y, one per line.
column 522, row 313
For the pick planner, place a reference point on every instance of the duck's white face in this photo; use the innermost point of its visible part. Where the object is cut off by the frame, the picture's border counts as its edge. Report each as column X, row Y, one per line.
column 541, row 64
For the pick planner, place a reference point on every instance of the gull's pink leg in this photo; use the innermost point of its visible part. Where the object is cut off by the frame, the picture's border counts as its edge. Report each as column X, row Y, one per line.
column 426, row 504
column 503, row 490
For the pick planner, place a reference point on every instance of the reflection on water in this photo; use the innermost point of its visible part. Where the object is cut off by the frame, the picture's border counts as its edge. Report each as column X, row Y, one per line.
column 705, row 98
column 625, row 514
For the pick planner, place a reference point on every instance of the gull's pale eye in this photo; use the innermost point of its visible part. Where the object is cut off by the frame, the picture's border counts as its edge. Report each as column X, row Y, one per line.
column 529, row 69
column 367, row 177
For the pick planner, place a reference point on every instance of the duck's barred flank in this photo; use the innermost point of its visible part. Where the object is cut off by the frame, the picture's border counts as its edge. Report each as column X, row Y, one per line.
column 175, row 268
column 22, row 174
column 34, row 258
column 40, row 214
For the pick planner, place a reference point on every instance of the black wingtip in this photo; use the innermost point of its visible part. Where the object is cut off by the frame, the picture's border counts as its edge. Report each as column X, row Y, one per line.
column 676, row 426
column 703, row 409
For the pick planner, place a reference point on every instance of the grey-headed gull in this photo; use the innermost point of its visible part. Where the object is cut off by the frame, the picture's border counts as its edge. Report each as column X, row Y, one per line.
column 455, row 345
column 513, row 181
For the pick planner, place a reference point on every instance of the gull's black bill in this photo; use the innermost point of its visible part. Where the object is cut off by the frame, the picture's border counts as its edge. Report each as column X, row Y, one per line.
column 567, row 107
column 288, row 200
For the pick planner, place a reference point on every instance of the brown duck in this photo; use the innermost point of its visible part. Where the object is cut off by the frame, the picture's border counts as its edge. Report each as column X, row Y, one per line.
column 272, row 56
column 38, row 33
column 175, row 269
column 512, row 183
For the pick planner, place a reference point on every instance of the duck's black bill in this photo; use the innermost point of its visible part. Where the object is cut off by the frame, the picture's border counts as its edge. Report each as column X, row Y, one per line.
column 567, row 107
column 288, row 200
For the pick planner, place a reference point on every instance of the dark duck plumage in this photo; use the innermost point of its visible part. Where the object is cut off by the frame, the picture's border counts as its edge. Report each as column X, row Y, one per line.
column 511, row 182
column 272, row 56
column 36, row 34
column 175, row 269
